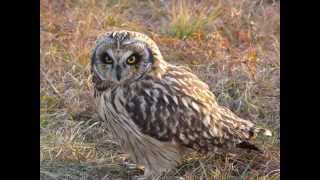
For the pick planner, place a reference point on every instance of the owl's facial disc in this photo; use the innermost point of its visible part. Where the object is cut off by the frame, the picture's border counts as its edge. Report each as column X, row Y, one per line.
column 120, row 63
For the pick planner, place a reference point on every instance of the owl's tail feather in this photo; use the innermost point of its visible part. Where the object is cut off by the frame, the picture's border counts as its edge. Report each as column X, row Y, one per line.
column 248, row 146
column 263, row 131
column 253, row 133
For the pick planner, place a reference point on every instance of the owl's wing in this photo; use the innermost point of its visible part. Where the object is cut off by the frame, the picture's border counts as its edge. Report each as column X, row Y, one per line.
column 179, row 107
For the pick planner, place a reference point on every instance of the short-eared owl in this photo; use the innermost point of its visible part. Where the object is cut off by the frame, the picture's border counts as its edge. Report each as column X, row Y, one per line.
column 157, row 110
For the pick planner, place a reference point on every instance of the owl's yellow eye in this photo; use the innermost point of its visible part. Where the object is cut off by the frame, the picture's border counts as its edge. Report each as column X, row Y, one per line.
column 132, row 60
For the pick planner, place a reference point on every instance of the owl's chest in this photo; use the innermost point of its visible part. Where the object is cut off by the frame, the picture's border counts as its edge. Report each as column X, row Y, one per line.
column 111, row 105
column 116, row 119
column 102, row 107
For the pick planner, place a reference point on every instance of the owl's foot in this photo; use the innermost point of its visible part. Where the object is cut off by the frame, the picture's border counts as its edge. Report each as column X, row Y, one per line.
column 145, row 176
column 131, row 166
column 149, row 175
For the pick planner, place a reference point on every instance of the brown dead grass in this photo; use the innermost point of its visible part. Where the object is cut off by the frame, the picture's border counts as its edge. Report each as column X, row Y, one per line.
column 231, row 45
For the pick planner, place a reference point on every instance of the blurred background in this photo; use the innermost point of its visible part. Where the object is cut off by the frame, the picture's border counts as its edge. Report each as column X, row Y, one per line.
column 232, row 45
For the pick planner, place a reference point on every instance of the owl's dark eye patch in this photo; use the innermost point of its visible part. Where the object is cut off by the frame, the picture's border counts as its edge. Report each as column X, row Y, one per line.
column 106, row 59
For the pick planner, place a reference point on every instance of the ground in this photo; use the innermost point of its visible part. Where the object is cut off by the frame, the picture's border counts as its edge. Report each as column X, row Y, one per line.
column 231, row 45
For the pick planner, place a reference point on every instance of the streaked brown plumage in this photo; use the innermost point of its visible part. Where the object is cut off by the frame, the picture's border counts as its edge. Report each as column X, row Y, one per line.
column 157, row 110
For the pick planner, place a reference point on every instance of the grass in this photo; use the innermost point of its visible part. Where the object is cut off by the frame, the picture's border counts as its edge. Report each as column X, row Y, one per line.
column 231, row 45
column 188, row 18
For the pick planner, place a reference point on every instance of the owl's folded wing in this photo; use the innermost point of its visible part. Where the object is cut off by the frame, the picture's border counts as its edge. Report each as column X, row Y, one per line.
column 181, row 108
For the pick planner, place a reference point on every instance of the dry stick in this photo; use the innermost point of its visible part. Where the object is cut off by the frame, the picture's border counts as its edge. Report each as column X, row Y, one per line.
column 51, row 84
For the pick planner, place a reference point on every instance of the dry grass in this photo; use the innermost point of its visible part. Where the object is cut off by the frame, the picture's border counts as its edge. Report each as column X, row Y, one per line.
column 231, row 45
column 188, row 18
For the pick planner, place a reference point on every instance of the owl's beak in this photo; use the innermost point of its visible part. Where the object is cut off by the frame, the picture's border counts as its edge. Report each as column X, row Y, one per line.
column 117, row 73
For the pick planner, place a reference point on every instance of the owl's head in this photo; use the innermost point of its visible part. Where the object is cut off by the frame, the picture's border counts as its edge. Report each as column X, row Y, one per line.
column 122, row 56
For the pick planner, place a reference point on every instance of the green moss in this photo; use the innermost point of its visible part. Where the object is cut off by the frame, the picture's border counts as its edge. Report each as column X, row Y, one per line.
column 44, row 121
column 47, row 102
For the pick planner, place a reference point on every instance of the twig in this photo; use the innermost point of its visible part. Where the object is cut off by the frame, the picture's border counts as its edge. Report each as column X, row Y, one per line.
column 274, row 172
column 51, row 84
